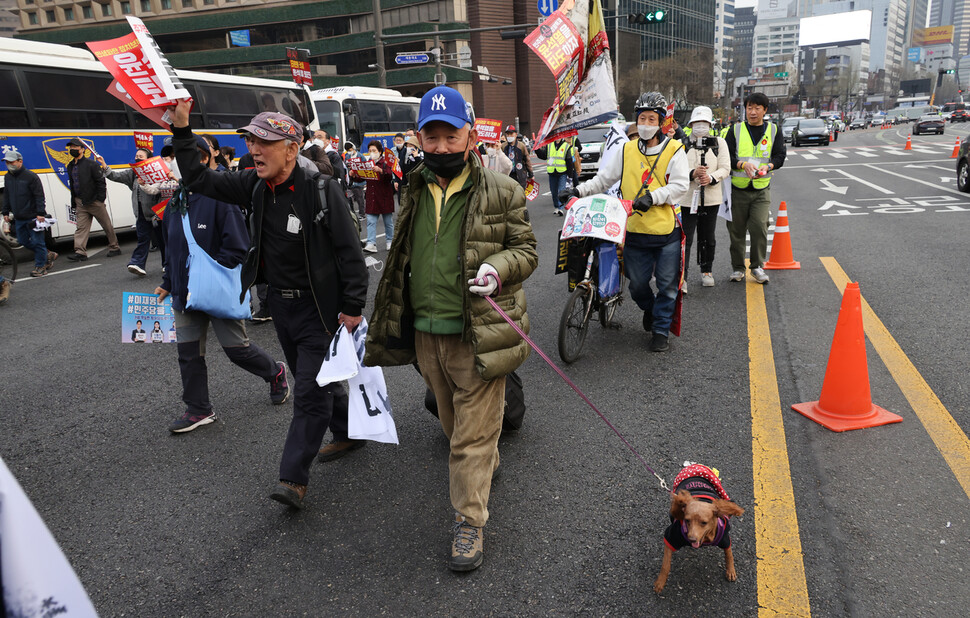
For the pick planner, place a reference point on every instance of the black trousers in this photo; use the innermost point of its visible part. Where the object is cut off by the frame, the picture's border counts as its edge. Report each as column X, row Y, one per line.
column 705, row 222
column 315, row 409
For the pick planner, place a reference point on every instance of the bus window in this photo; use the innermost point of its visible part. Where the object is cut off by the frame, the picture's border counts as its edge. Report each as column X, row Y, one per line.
column 228, row 107
column 328, row 114
column 64, row 100
column 13, row 112
column 373, row 117
column 403, row 116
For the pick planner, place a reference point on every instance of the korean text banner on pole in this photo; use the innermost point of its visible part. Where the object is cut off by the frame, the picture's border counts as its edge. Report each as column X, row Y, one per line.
column 573, row 44
column 300, row 66
column 139, row 66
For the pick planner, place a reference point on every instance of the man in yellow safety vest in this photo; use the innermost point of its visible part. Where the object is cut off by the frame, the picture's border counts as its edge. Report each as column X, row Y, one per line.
column 559, row 156
column 756, row 151
column 653, row 172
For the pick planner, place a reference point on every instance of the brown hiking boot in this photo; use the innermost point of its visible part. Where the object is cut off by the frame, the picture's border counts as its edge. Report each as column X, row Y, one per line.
column 336, row 450
column 4, row 291
column 290, row 494
column 466, row 547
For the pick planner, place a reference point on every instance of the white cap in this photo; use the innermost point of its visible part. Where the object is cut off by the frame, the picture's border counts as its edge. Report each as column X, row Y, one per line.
column 701, row 113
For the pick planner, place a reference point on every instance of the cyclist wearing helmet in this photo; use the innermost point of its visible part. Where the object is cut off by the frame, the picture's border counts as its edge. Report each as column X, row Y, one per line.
column 653, row 172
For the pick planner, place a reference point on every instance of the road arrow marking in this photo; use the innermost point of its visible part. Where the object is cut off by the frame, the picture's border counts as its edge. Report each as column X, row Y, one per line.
column 882, row 190
column 831, row 187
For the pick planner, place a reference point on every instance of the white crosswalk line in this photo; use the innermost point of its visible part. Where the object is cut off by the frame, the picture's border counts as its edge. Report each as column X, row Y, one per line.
column 865, row 153
column 838, row 155
column 809, row 156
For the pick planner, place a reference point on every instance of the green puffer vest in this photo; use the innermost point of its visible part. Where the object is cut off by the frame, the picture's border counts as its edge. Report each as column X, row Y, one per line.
column 496, row 230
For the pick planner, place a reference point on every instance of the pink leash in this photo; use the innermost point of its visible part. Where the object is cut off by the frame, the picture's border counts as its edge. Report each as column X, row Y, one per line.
column 572, row 385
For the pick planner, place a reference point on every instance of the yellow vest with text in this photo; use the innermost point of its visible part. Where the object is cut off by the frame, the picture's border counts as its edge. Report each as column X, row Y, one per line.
column 747, row 151
column 660, row 219
column 557, row 158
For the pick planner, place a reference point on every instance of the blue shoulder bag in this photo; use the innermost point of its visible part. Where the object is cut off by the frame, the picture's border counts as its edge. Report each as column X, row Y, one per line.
column 213, row 288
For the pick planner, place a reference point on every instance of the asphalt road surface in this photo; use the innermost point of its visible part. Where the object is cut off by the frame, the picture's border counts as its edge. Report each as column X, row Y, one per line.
column 868, row 522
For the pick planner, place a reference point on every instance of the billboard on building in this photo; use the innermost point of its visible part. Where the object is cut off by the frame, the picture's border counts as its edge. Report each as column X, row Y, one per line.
column 777, row 9
column 937, row 35
column 835, row 29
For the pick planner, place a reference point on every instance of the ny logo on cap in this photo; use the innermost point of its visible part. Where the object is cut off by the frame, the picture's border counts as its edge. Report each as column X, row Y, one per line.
column 438, row 103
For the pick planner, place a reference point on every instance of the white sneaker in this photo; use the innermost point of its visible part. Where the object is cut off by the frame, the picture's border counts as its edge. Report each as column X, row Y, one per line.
column 388, row 245
column 759, row 275
column 707, row 280
column 370, row 248
column 136, row 270
column 737, row 275
column 683, row 287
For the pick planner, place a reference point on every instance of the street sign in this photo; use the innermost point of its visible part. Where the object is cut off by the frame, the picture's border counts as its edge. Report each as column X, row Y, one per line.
column 411, row 59
column 548, row 7
column 782, row 74
column 465, row 57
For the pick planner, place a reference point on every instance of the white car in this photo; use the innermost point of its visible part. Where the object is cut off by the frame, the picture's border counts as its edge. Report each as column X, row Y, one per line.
column 592, row 140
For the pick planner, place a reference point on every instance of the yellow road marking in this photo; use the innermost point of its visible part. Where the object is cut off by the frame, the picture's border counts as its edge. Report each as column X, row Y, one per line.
column 782, row 590
column 949, row 438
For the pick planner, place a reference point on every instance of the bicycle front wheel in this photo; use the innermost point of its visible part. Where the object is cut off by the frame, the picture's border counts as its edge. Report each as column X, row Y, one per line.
column 574, row 323
column 8, row 262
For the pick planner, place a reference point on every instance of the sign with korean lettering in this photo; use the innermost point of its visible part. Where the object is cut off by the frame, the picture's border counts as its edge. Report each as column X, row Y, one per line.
column 125, row 59
column 164, row 73
column 574, row 45
column 532, row 190
column 362, row 169
column 151, row 171
column 145, row 320
column 145, row 140
column 489, row 131
column 300, row 66
column 158, row 115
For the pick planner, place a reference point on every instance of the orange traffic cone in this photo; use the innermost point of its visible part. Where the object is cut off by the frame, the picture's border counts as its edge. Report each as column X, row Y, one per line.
column 781, row 257
column 956, row 149
column 909, row 142
column 846, row 401
column 831, row 137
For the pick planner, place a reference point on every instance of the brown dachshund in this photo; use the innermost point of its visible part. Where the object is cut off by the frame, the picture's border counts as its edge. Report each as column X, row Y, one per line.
column 699, row 512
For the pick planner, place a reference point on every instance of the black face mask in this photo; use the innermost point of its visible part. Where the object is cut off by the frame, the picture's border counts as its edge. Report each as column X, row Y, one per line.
column 75, row 152
column 447, row 165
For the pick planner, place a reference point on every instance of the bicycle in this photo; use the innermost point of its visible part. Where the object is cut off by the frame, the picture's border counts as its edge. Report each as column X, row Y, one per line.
column 585, row 246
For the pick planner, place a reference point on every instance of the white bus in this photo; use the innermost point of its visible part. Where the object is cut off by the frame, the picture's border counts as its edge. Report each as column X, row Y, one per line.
column 356, row 113
column 52, row 93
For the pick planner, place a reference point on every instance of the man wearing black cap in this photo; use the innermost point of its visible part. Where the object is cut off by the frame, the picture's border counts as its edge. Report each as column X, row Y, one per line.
column 309, row 254
column 88, row 192
column 24, row 207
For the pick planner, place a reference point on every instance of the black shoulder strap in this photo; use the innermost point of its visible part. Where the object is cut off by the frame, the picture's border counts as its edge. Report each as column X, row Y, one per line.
column 323, row 214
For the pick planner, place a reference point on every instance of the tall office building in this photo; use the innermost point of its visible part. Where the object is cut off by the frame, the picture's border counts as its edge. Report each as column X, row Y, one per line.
column 724, row 57
column 744, row 22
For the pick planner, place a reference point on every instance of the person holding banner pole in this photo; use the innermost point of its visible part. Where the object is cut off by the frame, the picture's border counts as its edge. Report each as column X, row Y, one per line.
column 141, row 206
column 88, row 192
column 653, row 173
column 304, row 244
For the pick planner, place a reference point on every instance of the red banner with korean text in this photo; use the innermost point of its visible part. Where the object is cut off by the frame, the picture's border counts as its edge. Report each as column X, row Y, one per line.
column 391, row 159
column 158, row 115
column 573, row 44
column 125, row 59
column 300, row 66
column 489, row 131
column 362, row 169
column 151, row 171
column 145, row 140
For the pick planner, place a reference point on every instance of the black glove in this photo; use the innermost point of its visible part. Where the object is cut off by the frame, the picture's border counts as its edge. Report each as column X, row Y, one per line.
column 644, row 202
column 567, row 194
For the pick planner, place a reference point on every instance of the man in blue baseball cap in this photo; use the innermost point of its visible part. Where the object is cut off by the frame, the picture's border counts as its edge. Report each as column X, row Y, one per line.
column 454, row 206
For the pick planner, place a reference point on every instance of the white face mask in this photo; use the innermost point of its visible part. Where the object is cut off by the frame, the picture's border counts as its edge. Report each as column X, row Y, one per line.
column 491, row 151
column 647, row 131
column 701, row 130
